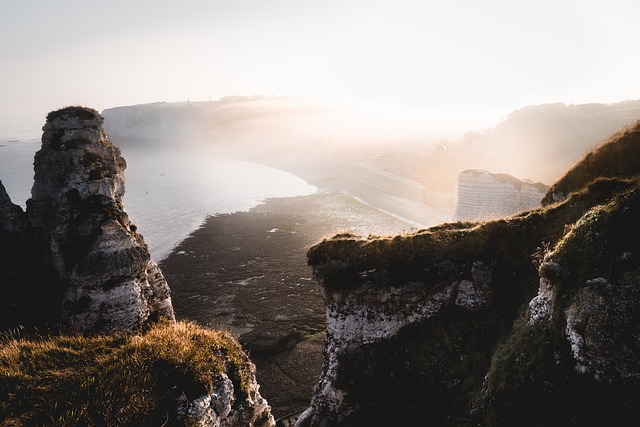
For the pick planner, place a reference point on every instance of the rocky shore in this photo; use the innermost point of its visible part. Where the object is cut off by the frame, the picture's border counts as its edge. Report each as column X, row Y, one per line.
column 247, row 272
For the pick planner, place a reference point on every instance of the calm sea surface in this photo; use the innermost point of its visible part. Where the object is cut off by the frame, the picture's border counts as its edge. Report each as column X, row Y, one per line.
column 169, row 193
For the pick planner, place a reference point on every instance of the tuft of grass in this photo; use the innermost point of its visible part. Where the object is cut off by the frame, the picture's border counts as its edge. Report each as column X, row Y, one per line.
column 114, row 380
column 83, row 113
column 615, row 158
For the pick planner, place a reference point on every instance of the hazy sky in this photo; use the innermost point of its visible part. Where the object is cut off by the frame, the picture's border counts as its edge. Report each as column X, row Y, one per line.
column 472, row 60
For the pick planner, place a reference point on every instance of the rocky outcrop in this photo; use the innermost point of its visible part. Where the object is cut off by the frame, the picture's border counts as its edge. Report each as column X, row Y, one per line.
column 531, row 320
column 75, row 258
column 614, row 158
column 12, row 217
column 104, row 277
column 220, row 408
column 483, row 195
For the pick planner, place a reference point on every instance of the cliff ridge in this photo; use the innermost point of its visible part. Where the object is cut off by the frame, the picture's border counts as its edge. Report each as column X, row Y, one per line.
column 530, row 320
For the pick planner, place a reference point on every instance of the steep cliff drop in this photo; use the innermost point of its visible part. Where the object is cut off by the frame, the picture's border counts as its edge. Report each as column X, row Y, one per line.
column 532, row 320
column 74, row 259
column 483, row 195
column 109, row 282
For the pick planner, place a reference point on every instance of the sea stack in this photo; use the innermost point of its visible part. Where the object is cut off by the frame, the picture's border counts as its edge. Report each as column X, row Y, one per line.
column 109, row 282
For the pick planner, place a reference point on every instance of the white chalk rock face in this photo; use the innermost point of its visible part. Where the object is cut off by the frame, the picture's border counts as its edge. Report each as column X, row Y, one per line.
column 220, row 408
column 373, row 313
column 76, row 205
column 483, row 195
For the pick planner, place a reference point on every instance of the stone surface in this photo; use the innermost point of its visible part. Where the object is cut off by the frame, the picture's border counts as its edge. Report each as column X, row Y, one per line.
column 483, row 195
column 99, row 272
column 529, row 321
column 12, row 218
column 220, row 408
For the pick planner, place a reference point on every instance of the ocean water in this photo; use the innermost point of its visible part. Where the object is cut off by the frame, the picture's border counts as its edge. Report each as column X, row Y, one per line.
column 16, row 167
column 169, row 193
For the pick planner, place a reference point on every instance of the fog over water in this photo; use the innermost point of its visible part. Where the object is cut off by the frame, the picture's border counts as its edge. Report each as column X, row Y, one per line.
column 169, row 193
column 187, row 161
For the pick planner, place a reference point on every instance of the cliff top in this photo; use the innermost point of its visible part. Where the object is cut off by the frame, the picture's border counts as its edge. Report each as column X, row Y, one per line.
column 350, row 261
column 615, row 158
column 83, row 113
column 115, row 379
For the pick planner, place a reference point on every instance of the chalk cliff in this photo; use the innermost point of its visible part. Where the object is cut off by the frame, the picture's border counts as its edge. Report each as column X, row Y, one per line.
column 531, row 320
column 483, row 195
column 74, row 258
column 104, row 276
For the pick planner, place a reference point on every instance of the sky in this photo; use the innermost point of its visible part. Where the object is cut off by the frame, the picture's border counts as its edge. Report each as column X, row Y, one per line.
column 464, row 62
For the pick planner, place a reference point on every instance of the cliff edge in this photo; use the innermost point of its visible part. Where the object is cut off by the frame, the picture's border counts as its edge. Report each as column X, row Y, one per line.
column 531, row 320
column 483, row 195
column 75, row 262
column 98, row 275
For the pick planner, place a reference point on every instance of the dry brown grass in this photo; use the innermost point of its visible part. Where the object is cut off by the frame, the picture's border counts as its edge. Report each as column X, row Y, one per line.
column 618, row 157
column 113, row 380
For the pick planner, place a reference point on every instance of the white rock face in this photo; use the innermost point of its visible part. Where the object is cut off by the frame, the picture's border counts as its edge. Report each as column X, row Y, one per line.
column 159, row 121
column 370, row 314
column 601, row 321
column 602, row 329
column 110, row 282
column 220, row 409
column 483, row 195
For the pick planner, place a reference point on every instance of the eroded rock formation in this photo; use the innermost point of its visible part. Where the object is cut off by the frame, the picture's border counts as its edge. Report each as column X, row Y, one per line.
column 532, row 320
column 100, row 274
column 483, row 195
column 75, row 258
column 220, row 408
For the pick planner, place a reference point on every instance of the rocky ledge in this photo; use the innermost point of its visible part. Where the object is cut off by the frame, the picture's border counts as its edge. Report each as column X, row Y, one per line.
column 97, row 272
column 75, row 260
column 532, row 320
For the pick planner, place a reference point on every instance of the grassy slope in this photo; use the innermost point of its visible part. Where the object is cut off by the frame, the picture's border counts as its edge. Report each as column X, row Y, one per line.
column 114, row 380
column 616, row 158
column 436, row 370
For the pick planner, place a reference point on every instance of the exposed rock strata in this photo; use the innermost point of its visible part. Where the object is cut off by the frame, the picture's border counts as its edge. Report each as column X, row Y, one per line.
column 455, row 325
column 483, row 195
column 96, row 274
column 220, row 409
column 105, row 277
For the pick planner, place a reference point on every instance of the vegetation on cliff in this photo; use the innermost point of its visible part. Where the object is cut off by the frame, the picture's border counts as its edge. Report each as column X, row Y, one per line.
column 74, row 265
column 579, row 366
column 615, row 158
column 554, row 341
column 115, row 379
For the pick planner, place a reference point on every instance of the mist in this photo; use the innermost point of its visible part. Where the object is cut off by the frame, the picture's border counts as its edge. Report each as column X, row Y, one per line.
column 389, row 158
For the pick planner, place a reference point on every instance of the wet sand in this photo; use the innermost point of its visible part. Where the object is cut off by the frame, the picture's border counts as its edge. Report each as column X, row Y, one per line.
column 247, row 272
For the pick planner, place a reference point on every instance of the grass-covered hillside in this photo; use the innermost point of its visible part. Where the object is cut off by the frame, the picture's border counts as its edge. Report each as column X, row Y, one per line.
column 617, row 157
column 550, row 337
column 115, row 380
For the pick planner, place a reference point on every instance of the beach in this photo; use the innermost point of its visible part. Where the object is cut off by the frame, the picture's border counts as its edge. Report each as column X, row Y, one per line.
column 247, row 272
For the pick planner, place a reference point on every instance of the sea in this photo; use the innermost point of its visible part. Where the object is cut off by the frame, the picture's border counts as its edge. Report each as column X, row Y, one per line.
column 169, row 192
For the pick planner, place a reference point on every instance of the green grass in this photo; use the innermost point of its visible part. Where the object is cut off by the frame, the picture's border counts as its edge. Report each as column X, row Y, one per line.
column 114, row 380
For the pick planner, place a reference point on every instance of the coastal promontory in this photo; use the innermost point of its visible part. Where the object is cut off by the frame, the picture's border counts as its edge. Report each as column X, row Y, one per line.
column 530, row 320
column 89, row 331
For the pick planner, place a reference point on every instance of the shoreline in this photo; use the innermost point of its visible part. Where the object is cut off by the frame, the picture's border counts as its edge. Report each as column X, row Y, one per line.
column 247, row 272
